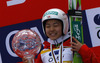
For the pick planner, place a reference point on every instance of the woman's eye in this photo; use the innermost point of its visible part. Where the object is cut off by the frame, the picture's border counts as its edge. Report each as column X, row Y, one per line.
column 56, row 25
column 47, row 26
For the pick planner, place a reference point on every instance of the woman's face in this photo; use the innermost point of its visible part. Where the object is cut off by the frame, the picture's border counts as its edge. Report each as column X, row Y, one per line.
column 53, row 29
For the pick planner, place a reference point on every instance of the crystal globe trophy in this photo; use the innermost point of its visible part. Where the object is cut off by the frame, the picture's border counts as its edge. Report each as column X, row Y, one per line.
column 26, row 43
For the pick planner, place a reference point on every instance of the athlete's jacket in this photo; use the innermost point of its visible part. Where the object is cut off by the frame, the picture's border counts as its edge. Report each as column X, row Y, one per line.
column 90, row 55
column 46, row 56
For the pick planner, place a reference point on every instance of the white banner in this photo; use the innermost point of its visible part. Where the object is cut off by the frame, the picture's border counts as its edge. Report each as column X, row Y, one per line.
column 93, row 20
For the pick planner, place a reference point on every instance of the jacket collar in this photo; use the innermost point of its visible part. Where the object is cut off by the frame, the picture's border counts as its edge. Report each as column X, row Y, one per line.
column 59, row 40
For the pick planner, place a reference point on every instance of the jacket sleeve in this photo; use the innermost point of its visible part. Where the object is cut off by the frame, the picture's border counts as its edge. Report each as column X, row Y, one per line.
column 38, row 59
column 87, row 54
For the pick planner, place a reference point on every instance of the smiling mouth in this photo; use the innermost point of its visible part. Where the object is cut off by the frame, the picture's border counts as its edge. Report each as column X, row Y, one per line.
column 53, row 34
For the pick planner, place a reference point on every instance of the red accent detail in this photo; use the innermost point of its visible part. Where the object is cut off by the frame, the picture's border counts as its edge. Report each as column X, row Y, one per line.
column 48, row 16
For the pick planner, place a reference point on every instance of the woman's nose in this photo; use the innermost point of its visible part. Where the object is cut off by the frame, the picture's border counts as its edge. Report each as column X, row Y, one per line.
column 51, row 28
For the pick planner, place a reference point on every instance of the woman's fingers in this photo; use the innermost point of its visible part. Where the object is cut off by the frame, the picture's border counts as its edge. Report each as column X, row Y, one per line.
column 73, row 49
column 25, row 60
column 75, row 39
column 73, row 44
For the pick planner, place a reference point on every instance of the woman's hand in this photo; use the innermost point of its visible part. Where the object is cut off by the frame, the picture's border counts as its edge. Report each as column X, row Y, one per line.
column 75, row 45
column 25, row 60
column 28, row 59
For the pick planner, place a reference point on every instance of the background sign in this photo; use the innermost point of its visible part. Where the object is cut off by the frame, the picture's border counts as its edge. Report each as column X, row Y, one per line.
column 93, row 20
column 7, row 55
column 16, row 15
